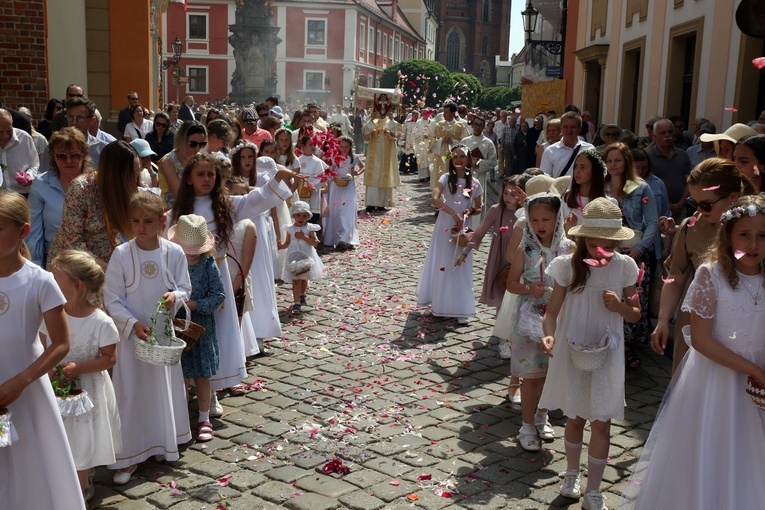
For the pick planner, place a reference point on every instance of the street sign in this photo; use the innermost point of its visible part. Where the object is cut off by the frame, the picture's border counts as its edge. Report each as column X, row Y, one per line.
column 183, row 79
column 554, row 71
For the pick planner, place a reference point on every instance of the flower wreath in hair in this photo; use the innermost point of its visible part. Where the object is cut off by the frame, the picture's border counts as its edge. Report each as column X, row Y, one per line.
column 742, row 210
column 595, row 155
column 454, row 147
column 246, row 144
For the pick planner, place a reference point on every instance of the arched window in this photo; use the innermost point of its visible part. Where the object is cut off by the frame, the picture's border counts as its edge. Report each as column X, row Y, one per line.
column 453, row 50
column 485, row 45
column 486, row 9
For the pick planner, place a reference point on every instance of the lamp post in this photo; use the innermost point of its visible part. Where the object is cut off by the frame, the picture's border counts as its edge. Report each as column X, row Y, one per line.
column 177, row 70
column 530, row 17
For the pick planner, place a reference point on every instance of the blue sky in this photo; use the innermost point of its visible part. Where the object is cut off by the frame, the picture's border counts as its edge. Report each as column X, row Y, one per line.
column 516, row 27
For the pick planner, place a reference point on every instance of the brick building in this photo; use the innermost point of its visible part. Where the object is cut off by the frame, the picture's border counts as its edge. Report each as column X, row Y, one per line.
column 471, row 34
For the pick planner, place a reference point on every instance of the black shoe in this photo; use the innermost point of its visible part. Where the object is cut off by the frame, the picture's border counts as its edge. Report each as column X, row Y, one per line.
column 303, row 300
column 371, row 209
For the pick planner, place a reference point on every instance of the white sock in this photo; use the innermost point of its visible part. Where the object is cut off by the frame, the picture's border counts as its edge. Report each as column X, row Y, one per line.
column 203, row 417
column 540, row 417
column 573, row 455
column 528, row 428
column 595, row 469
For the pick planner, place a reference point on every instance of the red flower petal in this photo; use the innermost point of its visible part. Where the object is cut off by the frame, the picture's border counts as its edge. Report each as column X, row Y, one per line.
column 759, row 62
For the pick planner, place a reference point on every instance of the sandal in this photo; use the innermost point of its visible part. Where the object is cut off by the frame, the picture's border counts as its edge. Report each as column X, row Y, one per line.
column 205, row 432
column 631, row 357
column 237, row 391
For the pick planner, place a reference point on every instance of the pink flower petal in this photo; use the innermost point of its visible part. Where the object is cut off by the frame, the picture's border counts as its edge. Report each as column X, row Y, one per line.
column 442, row 269
column 667, row 280
column 646, row 200
column 692, row 221
column 504, row 229
column 395, row 483
column 634, row 297
column 756, row 170
column 738, row 254
column 641, row 273
column 603, row 253
column 759, row 62
column 592, row 262
column 731, row 109
column 712, row 188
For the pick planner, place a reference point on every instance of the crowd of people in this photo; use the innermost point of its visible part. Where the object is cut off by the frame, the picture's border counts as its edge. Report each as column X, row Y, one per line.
column 198, row 212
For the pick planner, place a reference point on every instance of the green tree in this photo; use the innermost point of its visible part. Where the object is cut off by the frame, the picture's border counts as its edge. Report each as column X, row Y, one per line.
column 493, row 97
column 424, row 80
column 467, row 89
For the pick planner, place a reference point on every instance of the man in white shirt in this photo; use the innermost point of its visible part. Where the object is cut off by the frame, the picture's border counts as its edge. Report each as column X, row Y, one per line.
column 340, row 117
column 17, row 154
column 558, row 158
column 485, row 164
column 421, row 145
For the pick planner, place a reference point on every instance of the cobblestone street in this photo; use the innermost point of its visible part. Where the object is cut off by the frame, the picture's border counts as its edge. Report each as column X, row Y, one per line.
column 414, row 405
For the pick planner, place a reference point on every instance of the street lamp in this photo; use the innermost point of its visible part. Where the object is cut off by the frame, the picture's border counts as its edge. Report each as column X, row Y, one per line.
column 530, row 17
column 177, row 50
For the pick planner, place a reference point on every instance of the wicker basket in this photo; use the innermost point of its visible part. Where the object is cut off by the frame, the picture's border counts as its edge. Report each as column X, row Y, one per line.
column 462, row 239
column 304, row 190
column 190, row 335
column 589, row 359
column 342, row 181
column 756, row 392
column 156, row 354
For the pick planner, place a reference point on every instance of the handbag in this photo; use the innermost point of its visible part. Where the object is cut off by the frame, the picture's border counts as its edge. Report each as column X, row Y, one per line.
column 530, row 321
column 304, row 190
column 241, row 293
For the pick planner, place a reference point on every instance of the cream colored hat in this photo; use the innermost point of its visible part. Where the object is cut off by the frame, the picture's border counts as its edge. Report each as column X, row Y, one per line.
column 602, row 219
column 561, row 184
column 191, row 234
column 300, row 207
column 733, row 134
column 539, row 184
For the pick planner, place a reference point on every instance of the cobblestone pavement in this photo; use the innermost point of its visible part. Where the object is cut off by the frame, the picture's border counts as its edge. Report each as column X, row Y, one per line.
column 413, row 405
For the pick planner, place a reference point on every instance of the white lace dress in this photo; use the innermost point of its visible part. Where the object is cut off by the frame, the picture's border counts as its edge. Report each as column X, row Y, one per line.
column 707, row 445
column 583, row 319
column 94, row 437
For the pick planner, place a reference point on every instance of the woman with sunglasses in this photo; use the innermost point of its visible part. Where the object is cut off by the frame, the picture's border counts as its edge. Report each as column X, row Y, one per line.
column 160, row 138
column 714, row 184
column 68, row 159
column 189, row 140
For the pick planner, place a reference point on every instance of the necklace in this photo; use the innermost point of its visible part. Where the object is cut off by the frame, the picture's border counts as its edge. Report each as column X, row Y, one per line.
column 755, row 297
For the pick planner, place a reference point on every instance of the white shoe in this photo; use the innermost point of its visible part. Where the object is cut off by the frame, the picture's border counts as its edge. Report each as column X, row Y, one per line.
column 570, row 487
column 216, row 410
column 529, row 442
column 545, row 430
column 593, row 500
column 462, row 321
column 123, row 476
column 514, row 398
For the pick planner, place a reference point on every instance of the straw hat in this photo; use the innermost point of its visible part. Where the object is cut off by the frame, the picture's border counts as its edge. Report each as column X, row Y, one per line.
column 733, row 134
column 300, row 207
column 561, row 184
column 539, row 184
column 602, row 219
column 191, row 234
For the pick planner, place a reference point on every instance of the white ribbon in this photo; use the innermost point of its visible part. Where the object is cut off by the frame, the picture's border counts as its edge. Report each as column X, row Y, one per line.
column 602, row 222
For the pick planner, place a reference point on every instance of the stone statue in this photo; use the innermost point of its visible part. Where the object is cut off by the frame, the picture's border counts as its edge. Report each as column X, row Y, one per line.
column 253, row 37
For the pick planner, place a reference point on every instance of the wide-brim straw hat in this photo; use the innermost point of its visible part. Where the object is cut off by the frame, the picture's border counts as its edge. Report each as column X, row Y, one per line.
column 191, row 234
column 733, row 134
column 561, row 184
column 602, row 219
column 539, row 184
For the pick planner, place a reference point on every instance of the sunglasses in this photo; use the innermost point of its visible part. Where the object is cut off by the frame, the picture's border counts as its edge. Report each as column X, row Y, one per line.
column 77, row 118
column 250, row 122
column 194, row 144
column 161, row 124
column 261, row 115
column 704, row 206
column 74, row 156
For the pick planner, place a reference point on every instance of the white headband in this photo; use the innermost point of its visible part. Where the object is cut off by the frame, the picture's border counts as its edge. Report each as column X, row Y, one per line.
column 602, row 222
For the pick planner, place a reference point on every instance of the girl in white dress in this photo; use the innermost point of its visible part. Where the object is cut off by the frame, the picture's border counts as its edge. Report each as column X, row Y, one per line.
column 446, row 283
column 267, row 169
column 94, row 437
column 340, row 225
column 707, row 445
column 589, row 283
column 301, row 237
column 202, row 193
column 314, row 168
column 37, row 467
column 151, row 398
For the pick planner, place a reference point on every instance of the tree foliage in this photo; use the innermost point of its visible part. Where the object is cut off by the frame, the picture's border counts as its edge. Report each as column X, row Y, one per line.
column 493, row 97
column 467, row 89
column 425, row 80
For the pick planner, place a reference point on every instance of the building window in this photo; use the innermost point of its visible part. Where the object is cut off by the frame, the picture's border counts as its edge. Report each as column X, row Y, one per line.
column 453, row 50
column 486, row 9
column 385, row 46
column 391, row 47
column 371, row 39
column 485, row 45
column 315, row 29
column 362, row 36
column 197, row 26
column 197, row 79
column 314, row 80
column 378, row 42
